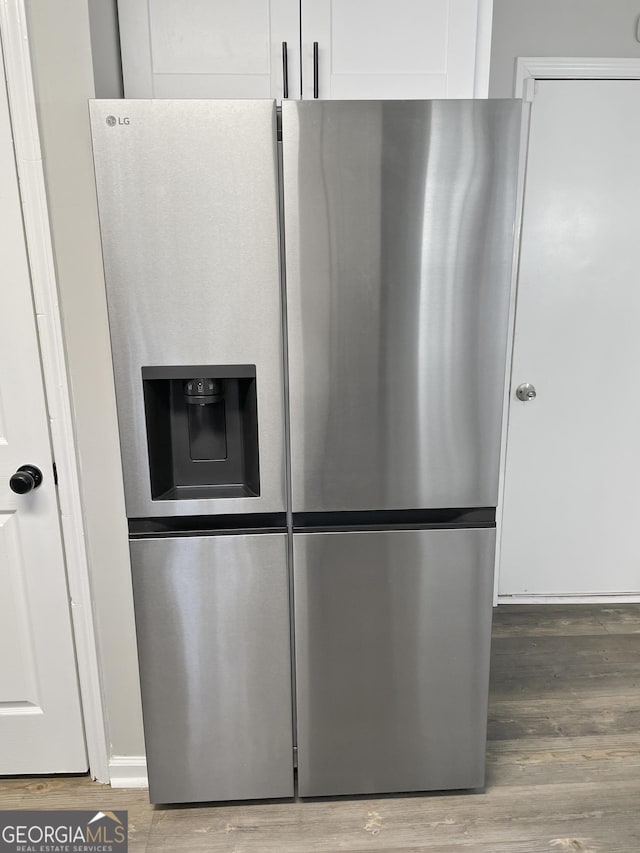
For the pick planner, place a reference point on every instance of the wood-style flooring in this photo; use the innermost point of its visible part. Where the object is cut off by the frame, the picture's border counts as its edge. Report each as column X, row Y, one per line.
column 563, row 764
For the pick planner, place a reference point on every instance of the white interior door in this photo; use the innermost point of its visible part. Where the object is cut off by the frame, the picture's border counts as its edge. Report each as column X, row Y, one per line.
column 41, row 727
column 205, row 49
column 572, row 487
column 391, row 48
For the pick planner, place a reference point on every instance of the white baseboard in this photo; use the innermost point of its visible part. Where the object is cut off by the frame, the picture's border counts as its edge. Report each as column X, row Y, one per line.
column 597, row 598
column 128, row 771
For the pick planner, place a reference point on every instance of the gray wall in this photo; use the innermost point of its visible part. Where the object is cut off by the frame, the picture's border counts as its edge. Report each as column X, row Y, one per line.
column 62, row 65
column 558, row 28
column 105, row 47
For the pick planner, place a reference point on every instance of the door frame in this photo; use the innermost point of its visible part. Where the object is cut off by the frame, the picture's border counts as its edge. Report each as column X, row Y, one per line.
column 571, row 68
column 33, row 199
column 528, row 70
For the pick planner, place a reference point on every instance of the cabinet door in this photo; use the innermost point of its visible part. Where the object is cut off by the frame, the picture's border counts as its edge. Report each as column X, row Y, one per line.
column 396, row 48
column 200, row 49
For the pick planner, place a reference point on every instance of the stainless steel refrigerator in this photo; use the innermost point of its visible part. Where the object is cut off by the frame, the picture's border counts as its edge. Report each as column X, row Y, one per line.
column 309, row 322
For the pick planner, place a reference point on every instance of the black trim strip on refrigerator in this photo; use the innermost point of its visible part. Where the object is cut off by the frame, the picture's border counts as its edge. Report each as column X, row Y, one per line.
column 207, row 525
column 403, row 519
column 186, row 371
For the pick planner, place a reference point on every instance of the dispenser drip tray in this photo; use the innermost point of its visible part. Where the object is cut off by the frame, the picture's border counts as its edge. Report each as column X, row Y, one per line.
column 202, row 431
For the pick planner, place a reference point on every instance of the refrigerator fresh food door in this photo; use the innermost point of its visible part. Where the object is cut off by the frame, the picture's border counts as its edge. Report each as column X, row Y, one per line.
column 212, row 619
column 392, row 659
column 399, row 221
column 189, row 206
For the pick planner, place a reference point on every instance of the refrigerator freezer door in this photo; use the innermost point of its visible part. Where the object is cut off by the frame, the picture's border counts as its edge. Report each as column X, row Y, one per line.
column 392, row 659
column 189, row 207
column 212, row 618
column 399, row 220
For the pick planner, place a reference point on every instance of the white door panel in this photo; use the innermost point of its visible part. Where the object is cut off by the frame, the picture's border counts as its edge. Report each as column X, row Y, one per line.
column 19, row 681
column 187, row 38
column 385, row 49
column 40, row 718
column 571, row 498
column 204, row 49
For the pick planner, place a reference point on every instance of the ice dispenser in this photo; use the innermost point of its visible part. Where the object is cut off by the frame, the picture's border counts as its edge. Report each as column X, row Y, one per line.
column 202, row 431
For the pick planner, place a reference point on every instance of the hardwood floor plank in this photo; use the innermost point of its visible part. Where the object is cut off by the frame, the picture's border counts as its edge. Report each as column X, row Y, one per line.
column 536, row 815
column 576, row 715
column 620, row 619
column 554, row 760
column 562, row 620
column 535, row 667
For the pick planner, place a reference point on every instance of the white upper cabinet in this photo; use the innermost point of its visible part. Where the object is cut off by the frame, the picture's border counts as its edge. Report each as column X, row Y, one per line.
column 209, row 48
column 395, row 48
column 350, row 48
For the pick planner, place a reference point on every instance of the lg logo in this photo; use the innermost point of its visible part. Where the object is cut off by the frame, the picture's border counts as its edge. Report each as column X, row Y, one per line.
column 112, row 121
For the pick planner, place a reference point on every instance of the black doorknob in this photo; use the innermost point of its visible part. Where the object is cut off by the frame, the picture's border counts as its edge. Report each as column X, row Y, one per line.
column 26, row 478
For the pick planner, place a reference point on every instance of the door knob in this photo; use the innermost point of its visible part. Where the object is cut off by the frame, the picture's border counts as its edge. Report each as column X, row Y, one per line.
column 26, row 478
column 526, row 392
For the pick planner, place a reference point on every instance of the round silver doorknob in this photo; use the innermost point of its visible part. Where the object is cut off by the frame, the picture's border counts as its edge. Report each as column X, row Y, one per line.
column 526, row 392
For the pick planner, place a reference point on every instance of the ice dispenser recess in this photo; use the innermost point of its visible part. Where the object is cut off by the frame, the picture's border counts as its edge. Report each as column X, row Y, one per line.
column 202, row 431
